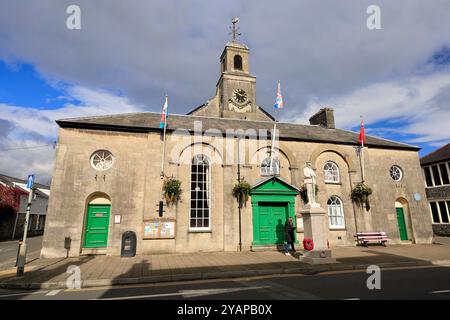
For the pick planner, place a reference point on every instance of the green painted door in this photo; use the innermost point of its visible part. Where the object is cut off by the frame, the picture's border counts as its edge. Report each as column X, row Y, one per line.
column 96, row 233
column 271, row 218
column 401, row 224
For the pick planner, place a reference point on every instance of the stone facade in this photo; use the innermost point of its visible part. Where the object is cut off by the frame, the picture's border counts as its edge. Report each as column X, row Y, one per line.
column 133, row 184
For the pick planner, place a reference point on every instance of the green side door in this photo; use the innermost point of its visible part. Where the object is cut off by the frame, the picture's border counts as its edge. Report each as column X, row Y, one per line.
column 97, row 224
column 401, row 224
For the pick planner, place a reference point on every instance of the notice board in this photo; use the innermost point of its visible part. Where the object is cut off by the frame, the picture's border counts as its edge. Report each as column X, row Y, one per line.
column 159, row 229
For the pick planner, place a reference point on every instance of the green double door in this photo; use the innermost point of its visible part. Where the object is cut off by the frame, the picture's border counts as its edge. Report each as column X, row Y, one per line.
column 401, row 224
column 97, row 224
column 271, row 219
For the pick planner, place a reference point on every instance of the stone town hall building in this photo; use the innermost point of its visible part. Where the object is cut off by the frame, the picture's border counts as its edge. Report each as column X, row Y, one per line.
column 106, row 178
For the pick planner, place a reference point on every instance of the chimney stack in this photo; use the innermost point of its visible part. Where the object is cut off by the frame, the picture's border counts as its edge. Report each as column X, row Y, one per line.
column 324, row 117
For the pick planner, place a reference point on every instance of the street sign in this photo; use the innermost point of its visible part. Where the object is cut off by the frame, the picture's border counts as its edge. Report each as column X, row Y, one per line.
column 30, row 181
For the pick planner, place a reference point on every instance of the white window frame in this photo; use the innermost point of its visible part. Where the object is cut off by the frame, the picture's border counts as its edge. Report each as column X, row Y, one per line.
column 341, row 208
column 97, row 153
column 200, row 229
column 438, row 164
column 439, row 211
column 275, row 167
column 399, row 169
column 336, row 169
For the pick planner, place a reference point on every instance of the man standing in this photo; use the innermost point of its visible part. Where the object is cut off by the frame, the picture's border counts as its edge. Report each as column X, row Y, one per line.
column 289, row 236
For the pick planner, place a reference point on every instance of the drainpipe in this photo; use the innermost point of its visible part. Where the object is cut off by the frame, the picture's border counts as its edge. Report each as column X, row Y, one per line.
column 239, row 202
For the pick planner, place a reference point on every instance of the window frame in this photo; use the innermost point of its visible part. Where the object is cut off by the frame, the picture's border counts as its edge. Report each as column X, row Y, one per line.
column 338, row 173
column 268, row 174
column 438, row 207
column 110, row 154
column 200, row 229
column 402, row 175
column 438, row 165
column 342, row 216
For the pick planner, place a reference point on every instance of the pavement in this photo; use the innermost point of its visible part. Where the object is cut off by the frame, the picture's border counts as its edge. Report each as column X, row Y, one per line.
column 96, row 271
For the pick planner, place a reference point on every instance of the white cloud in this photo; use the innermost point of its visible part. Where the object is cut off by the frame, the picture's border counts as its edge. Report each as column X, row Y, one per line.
column 30, row 127
column 422, row 102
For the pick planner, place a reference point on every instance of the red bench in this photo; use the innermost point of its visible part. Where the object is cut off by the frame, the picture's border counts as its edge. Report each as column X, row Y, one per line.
column 365, row 238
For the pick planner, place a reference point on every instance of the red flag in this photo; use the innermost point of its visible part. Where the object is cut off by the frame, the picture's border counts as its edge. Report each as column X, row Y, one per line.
column 362, row 135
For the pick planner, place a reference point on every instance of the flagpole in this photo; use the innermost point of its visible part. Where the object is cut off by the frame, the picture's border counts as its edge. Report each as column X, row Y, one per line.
column 273, row 142
column 164, row 141
column 361, row 155
column 273, row 135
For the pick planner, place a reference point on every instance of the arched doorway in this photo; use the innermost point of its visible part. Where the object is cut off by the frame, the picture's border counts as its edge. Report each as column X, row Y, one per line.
column 403, row 219
column 96, row 225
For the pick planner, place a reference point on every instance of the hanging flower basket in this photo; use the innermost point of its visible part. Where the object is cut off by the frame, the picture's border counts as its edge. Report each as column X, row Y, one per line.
column 304, row 193
column 360, row 195
column 241, row 191
column 172, row 191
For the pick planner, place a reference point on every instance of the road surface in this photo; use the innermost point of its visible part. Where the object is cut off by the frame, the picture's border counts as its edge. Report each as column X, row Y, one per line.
column 431, row 282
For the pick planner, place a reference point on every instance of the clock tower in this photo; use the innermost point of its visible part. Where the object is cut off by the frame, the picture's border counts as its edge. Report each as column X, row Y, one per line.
column 235, row 91
column 236, row 86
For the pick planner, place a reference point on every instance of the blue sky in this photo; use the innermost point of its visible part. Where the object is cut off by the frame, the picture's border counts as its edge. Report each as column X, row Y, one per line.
column 22, row 85
column 126, row 57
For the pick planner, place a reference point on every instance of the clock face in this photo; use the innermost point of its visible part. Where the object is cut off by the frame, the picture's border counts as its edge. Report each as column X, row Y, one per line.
column 240, row 96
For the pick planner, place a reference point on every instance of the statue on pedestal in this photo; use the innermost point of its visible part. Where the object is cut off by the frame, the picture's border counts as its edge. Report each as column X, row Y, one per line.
column 310, row 183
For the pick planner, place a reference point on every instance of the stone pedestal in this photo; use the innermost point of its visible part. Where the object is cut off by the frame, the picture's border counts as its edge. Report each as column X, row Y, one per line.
column 313, row 224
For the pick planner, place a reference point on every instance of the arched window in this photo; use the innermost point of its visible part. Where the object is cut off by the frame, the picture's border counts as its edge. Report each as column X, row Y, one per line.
column 265, row 167
column 331, row 172
column 200, row 193
column 335, row 213
column 237, row 62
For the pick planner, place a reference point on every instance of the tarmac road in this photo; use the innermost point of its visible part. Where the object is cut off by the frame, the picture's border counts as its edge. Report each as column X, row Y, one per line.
column 430, row 282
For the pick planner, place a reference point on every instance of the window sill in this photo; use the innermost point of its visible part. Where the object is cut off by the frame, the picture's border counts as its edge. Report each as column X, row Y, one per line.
column 338, row 229
column 199, row 231
column 331, row 182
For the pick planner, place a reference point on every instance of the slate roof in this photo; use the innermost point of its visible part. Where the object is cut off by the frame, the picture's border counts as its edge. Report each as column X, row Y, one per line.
column 441, row 154
column 149, row 121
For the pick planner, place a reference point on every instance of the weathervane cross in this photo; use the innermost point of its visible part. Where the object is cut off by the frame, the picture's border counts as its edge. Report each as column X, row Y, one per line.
column 234, row 30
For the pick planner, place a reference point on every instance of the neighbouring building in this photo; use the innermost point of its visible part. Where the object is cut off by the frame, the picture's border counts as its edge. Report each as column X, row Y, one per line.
column 436, row 172
column 106, row 177
column 12, row 219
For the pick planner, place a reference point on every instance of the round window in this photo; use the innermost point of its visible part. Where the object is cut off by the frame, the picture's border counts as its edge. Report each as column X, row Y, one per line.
column 396, row 173
column 102, row 160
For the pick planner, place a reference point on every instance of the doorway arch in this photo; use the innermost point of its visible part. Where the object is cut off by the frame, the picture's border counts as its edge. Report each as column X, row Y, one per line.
column 97, row 218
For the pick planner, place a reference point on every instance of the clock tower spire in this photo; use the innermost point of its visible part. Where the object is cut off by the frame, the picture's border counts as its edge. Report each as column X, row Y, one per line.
column 236, row 86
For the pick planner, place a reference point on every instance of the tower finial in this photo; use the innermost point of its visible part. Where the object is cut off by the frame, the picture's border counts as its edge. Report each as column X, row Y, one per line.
column 234, row 30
